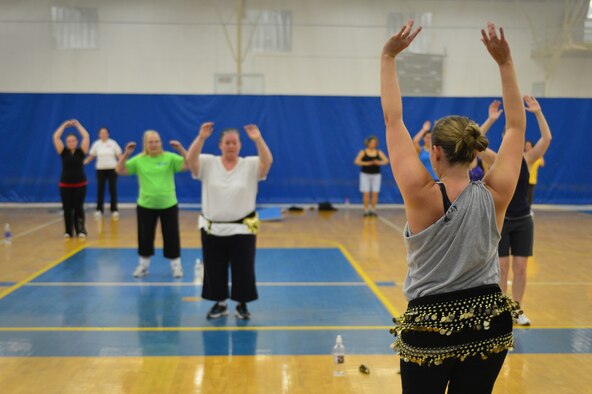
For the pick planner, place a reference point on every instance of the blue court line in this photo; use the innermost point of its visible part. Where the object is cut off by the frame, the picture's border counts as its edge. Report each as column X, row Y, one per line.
column 220, row 343
column 8, row 283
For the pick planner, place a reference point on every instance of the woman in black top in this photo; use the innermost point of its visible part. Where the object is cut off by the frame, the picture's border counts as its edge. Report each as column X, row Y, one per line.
column 370, row 159
column 73, row 180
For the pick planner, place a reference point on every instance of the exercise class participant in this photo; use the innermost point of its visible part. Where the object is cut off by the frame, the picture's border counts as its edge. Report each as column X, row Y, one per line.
column 458, row 324
column 228, row 222
column 423, row 150
column 73, row 179
column 157, row 200
column 370, row 159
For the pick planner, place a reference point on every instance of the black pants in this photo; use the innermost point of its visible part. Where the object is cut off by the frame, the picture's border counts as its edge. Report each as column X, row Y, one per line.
column 73, row 205
column 102, row 177
column 473, row 375
column 169, row 224
column 236, row 251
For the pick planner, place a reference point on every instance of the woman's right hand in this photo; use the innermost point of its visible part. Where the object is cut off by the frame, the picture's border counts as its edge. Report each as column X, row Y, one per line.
column 129, row 148
column 206, row 130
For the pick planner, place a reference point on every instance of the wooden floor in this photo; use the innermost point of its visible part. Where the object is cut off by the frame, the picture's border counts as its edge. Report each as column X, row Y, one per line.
column 559, row 295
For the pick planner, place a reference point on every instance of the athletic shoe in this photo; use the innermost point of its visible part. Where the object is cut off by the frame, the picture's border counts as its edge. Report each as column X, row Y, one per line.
column 141, row 271
column 82, row 236
column 98, row 214
column 115, row 215
column 218, row 310
column 242, row 312
column 66, row 236
column 177, row 270
column 366, row 214
column 373, row 213
column 522, row 320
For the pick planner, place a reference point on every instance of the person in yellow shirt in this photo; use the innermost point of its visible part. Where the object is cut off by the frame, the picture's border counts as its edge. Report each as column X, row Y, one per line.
column 534, row 170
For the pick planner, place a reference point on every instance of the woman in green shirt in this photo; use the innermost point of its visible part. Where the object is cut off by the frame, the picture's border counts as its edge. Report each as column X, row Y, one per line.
column 157, row 199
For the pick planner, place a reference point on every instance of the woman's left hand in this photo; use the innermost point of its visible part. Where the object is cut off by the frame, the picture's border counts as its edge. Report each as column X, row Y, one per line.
column 175, row 144
column 253, row 132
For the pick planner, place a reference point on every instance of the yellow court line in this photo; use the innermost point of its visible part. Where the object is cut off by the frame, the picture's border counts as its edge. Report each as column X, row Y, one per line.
column 225, row 328
column 41, row 271
column 392, row 310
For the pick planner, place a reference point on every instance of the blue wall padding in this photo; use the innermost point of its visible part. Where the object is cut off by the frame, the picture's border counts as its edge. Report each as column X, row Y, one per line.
column 314, row 140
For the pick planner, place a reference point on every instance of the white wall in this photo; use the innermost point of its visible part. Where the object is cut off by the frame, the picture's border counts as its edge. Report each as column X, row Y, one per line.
column 177, row 46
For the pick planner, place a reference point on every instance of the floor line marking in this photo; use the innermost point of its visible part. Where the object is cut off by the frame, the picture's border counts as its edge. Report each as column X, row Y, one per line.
column 51, row 265
column 224, row 328
column 358, row 268
column 390, row 224
column 19, row 235
column 192, row 284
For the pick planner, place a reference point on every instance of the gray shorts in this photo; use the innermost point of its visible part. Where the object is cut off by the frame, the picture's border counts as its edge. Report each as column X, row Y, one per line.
column 370, row 182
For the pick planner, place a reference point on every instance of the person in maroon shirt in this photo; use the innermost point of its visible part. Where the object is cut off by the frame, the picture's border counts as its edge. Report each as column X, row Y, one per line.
column 72, row 180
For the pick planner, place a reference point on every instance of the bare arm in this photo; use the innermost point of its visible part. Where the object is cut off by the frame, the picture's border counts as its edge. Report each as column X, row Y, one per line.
column 358, row 160
column 492, row 116
column 539, row 149
column 502, row 176
column 265, row 156
column 90, row 158
column 417, row 137
column 192, row 157
column 57, row 136
column 176, row 145
column 410, row 174
column 488, row 156
column 383, row 159
column 84, row 144
column 120, row 168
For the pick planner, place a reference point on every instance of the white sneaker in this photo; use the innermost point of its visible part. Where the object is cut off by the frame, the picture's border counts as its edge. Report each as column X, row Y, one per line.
column 66, row 236
column 115, row 215
column 522, row 320
column 177, row 270
column 82, row 236
column 98, row 214
column 141, row 271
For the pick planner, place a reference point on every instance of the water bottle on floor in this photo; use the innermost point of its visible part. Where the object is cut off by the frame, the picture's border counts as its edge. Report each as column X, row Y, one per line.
column 198, row 271
column 339, row 357
column 7, row 234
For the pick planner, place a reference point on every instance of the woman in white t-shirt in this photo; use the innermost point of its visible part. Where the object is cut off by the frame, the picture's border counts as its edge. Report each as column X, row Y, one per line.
column 228, row 222
column 107, row 152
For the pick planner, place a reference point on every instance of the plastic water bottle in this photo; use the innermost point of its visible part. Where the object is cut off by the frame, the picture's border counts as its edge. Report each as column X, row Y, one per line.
column 346, row 203
column 339, row 357
column 198, row 271
column 7, row 234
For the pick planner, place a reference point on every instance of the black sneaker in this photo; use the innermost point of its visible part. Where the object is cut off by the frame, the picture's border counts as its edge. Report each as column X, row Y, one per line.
column 242, row 312
column 218, row 310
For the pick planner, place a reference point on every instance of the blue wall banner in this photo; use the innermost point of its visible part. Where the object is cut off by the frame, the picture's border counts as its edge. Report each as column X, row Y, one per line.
column 314, row 140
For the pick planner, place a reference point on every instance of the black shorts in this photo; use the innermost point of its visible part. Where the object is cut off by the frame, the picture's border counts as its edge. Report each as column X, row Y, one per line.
column 517, row 237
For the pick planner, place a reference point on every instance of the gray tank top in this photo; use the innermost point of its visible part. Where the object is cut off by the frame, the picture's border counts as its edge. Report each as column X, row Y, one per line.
column 457, row 252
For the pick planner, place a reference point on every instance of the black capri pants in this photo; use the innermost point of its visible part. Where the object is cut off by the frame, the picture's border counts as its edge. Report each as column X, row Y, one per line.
column 169, row 224
column 236, row 251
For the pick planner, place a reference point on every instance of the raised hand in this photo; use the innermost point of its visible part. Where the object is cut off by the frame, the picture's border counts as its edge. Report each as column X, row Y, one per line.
column 532, row 105
column 427, row 125
column 175, row 144
column 497, row 47
column 397, row 43
column 494, row 111
column 129, row 148
column 206, row 130
column 253, row 132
